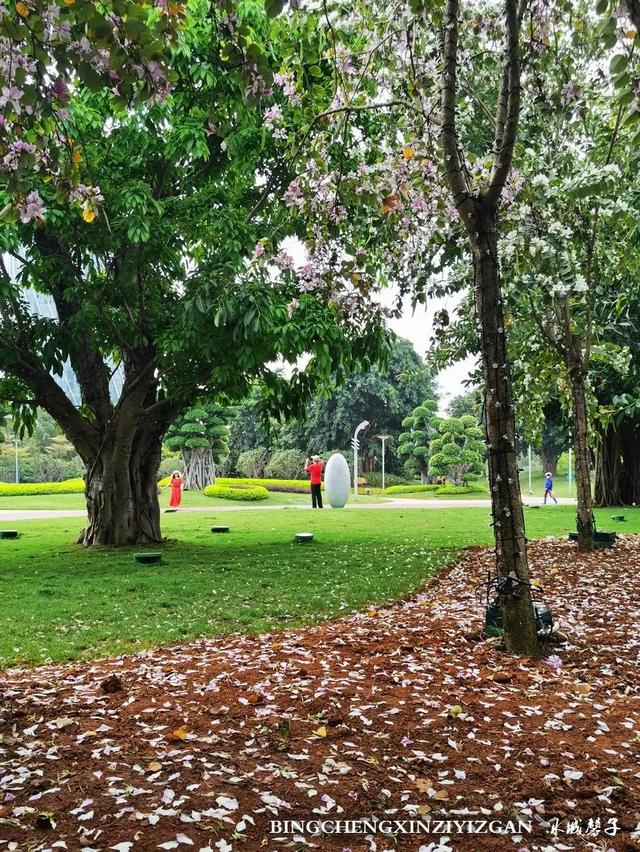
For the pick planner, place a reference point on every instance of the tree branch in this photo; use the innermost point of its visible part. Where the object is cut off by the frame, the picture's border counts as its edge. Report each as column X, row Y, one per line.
column 546, row 329
column 452, row 164
column 508, row 110
column 86, row 359
column 22, row 364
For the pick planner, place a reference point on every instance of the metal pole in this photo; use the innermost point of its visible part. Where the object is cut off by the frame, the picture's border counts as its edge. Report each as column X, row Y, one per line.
column 570, row 465
column 356, row 445
column 529, row 468
column 355, row 470
column 383, row 438
column 17, row 464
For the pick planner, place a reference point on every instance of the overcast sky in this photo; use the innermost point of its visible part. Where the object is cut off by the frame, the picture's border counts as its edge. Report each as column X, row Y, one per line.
column 417, row 327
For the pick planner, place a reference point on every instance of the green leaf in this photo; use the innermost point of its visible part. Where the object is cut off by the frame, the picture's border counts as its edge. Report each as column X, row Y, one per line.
column 619, row 63
column 274, row 7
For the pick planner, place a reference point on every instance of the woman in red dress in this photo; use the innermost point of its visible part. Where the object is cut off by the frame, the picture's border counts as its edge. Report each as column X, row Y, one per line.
column 176, row 484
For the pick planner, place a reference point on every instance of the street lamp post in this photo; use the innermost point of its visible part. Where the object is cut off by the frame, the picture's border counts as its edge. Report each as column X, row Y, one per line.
column 383, row 438
column 355, row 443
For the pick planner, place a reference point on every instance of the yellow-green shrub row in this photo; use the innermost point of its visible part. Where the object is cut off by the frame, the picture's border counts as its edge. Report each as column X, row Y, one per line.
column 440, row 490
column 295, row 485
column 410, row 489
column 248, row 493
column 23, row 489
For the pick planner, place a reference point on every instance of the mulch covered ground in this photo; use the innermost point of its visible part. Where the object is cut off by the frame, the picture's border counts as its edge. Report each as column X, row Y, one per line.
column 400, row 713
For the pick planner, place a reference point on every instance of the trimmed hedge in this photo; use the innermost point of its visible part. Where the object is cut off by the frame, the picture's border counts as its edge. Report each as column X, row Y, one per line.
column 248, row 493
column 291, row 486
column 411, row 489
column 24, row 489
column 297, row 484
column 438, row 490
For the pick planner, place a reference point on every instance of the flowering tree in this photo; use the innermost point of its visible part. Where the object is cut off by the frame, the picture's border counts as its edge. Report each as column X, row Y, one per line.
column 563, row 263
column 403, row 169
column 564, row 260
column 48, row 52
column 172, row 271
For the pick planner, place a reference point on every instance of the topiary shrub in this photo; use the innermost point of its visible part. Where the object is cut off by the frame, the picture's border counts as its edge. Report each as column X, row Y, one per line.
column 24, row 489
column 243, row 493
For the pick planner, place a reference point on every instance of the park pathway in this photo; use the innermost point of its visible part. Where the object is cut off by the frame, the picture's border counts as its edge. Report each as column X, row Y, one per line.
column 49, row 514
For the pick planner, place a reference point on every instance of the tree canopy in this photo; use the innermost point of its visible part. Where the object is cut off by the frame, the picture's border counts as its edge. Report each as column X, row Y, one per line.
column 168, row 279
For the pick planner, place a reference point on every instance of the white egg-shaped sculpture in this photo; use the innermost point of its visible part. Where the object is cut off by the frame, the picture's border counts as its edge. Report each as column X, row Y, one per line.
column 337, row 480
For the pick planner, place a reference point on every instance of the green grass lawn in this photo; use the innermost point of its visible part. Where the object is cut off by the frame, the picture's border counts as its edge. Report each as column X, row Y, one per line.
column 61, row 602
column 560, row 486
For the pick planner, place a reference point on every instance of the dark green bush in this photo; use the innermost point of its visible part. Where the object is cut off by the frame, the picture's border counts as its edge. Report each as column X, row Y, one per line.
column 374, row 480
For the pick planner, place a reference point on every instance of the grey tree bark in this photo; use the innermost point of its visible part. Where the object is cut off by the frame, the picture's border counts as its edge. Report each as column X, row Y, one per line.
column 479, row 212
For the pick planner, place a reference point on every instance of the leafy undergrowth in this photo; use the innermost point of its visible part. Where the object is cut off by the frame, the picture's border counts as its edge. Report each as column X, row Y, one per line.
column 399, row 711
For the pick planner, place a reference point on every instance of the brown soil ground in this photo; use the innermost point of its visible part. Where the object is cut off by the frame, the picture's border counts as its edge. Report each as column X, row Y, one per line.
column 400, row 713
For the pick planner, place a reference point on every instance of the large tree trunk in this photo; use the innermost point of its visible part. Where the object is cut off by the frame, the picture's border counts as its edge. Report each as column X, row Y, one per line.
column 608, row 468
column 122, row 488
column 618, row 466
column 584, row 517
column 199, row 468
column 549, row 461
column 506, row 501
column 630, row 473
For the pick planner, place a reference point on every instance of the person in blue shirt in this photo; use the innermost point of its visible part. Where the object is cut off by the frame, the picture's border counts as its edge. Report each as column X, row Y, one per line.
column 548, row 488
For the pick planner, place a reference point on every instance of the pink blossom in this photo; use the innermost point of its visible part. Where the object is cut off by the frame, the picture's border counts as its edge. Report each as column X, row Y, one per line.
column 284, row 260
column 16, row 150
column 310, row 280
column 287, row 83
column 58, row 91
column 10, row 96
column 272, row 115
column 32, row 207
column 293, row 195
column 155, row 72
